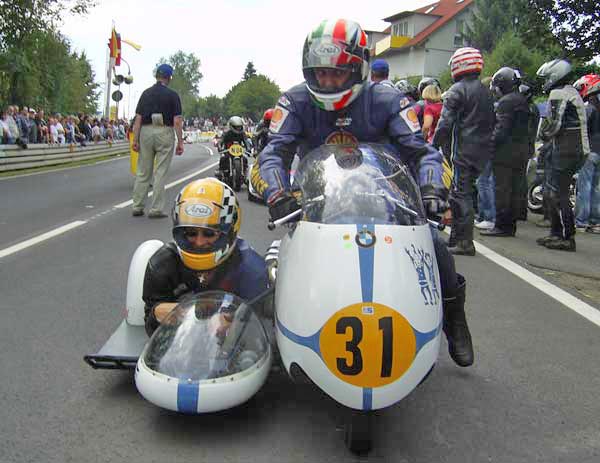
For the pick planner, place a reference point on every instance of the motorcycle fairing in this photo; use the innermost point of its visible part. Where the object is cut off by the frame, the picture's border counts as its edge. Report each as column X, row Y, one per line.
column 122, row 350
column 364, row 275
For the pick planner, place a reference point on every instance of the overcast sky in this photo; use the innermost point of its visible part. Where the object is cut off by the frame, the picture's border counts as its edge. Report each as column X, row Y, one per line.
column 224, row 34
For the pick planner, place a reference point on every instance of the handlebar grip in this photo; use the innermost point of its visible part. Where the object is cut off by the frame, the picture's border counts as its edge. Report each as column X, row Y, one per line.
column 271, row 226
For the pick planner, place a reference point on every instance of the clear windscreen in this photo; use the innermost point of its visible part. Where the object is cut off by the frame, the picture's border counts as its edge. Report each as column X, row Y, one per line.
column 209, row 336
column 361, row 184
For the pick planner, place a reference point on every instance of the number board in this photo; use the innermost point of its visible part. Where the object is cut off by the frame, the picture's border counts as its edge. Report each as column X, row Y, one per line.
column 368, row 344
column 236, row 150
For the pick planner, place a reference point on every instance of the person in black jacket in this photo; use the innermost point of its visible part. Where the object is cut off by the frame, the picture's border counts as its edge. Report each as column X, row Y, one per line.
column 465, row 127
column 566, row 127
column 511, row 142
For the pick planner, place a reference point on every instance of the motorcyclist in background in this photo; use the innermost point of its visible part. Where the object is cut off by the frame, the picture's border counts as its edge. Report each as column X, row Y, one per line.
column 465, row 127
column 206, row 254
column 261, row 133
column 511, row 143
column 234, row 134
column 337, row 105
column 566, row 127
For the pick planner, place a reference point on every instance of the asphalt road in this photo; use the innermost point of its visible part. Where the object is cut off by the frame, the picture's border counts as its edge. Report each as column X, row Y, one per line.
column 532, row 395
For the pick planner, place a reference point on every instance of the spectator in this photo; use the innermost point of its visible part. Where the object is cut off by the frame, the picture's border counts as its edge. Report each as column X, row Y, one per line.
column 96, row 134
column 13, row 128
column 380, row 72
column 4, row 128
column 433, row 109
column 60, row 129
column 33, row 128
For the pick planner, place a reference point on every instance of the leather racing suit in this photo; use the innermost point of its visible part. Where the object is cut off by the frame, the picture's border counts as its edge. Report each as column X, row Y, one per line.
column 167, row 279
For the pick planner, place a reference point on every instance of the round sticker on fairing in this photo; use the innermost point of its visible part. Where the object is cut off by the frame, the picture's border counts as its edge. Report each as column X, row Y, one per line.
column 198, row 210
column 368, row 344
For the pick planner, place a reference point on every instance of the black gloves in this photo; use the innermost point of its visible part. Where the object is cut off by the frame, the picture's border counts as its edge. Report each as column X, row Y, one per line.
column 282, row 207
column 434, row 200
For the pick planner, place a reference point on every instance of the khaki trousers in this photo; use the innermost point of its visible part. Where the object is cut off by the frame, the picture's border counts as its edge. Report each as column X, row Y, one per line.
column 157, row 145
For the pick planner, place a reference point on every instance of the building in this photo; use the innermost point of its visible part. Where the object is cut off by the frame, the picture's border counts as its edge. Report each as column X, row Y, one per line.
column 421, row 42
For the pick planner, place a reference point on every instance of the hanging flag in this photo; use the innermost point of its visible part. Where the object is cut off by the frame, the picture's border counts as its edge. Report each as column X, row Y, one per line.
column 114, row 45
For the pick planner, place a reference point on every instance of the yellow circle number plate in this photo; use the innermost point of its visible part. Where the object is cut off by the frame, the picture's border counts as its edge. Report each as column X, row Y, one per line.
column 368, row 344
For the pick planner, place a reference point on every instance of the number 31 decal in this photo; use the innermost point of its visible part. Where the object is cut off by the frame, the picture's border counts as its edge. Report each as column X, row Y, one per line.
column 368, row 348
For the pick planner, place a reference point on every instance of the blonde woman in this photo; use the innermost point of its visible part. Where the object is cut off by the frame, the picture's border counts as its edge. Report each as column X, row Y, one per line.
column 432, row 95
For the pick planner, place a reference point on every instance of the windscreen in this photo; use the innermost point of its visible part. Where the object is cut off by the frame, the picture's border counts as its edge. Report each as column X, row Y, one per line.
column 361, row 184
column 209, row 336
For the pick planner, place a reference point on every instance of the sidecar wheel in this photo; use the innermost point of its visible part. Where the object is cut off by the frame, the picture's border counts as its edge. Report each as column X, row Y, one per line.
column 357, row 431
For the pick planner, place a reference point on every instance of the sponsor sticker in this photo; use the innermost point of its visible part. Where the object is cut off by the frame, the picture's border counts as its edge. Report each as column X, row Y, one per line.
column 341, row 138
column 279, row 116
column 283, row 101
column 327, row 50
column 388, row 239
column 198, row 210
column 404, row 103
column 410, row 117
column 343, row 121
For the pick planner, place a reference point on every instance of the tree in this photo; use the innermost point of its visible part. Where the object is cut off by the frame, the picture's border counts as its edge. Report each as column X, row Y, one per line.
column 186, row 78
column 493, row 18
column 575, row 23
column 250, row 71
column 251, row 97
column 210, row 107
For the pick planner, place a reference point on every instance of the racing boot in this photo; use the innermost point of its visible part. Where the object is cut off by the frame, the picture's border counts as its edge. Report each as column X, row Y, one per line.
column 547, row 239
column 562, row 245
column 456, row 329
column 463, row 248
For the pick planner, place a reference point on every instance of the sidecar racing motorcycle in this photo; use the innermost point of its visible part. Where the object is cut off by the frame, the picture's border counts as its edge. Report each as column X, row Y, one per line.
column 358, row 309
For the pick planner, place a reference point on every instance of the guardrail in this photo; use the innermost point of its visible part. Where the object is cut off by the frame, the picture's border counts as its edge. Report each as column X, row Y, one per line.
column 41, row 155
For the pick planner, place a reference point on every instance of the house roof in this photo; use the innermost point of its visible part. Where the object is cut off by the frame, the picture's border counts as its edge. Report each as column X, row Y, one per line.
column 445, row 10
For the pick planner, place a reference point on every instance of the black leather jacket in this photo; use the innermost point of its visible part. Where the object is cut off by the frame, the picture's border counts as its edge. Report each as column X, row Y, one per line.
column 230, row 137
column 511, row 132
column 466, row 123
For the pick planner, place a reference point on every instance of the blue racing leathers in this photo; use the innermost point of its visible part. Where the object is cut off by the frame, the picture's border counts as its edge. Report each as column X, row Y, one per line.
column 380, row 114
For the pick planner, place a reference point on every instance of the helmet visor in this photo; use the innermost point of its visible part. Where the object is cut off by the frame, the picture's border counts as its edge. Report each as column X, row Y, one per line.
column 200, row 240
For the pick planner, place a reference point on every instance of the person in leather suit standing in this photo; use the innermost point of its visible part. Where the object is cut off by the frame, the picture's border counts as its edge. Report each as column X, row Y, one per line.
column 465, row 129
column 511, row 142
column 565, row 127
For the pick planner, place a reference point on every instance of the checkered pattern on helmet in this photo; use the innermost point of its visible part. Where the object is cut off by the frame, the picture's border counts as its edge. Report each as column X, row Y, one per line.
column 229, row 211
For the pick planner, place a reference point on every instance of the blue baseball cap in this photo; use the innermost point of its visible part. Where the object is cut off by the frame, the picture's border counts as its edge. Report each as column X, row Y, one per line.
column 164, row 70
column 380, row 65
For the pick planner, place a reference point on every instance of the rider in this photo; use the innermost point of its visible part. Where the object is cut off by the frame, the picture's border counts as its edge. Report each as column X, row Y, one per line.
column 565, row 126
column 234, row 134
column 261, row 133
column 337, row 105
column 465, row 130
column 206, row 254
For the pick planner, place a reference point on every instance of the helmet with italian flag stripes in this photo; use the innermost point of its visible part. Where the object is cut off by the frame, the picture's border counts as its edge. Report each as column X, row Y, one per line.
column 337, row 44
column 465, row 61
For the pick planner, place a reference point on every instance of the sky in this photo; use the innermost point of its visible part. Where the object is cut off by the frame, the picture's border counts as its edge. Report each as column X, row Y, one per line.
column 223, row 34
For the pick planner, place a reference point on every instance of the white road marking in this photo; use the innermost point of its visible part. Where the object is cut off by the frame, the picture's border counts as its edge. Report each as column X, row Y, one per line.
column 40, row 238
column 556, row 293
column 170, row 185
column 57, row 231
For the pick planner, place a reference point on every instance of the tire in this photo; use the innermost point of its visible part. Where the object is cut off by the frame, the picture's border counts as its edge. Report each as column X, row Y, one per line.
column 358, row 431
column 535, row 201
column 236, row 175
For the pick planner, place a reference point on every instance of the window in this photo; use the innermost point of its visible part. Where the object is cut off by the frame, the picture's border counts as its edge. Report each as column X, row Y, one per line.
column 400, row 28
column 458, row 36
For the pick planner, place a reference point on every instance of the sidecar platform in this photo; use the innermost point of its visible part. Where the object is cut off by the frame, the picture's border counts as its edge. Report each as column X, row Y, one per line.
column 122, row 350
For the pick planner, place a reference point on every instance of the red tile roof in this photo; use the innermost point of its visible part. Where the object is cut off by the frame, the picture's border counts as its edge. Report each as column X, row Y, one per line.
column 445, row 10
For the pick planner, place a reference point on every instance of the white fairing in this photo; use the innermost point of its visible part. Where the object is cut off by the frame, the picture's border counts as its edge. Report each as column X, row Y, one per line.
column 205, row 396
column 323, row 270
column 135, row 280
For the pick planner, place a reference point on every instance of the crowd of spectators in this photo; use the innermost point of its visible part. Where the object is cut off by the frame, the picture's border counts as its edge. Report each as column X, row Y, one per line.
column 26, row 125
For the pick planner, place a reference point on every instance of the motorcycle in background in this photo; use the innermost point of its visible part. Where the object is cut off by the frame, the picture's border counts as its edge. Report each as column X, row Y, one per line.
column 233, row 166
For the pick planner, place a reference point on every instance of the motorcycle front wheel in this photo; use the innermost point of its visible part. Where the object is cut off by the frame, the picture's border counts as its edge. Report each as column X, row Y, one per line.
column 535, row 197
column 358, row 431
column 236, row 175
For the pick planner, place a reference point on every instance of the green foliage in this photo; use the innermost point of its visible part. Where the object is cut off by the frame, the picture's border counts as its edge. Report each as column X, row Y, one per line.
column 43, row 72
column 512, row 52
column 251, row 97
column 575, row 23
column 210, row 106
column 186, row 78
column 250, row 71
column 37, row 66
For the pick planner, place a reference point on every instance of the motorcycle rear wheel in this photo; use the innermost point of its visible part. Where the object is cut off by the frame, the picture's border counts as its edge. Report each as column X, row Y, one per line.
column 358, row 431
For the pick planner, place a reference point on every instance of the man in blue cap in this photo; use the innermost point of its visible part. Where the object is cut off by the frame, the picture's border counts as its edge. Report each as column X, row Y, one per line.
column 158, row 120
column 380, row 71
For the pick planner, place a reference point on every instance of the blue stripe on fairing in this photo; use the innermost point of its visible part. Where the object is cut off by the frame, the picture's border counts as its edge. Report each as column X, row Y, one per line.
column 367, row 398
column 312, row 342
column 187, row 397
column 424, row 338
column 366, row 258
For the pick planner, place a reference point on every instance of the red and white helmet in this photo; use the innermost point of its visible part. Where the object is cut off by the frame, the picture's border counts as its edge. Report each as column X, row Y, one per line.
column 588, row 86
column 465, row 60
